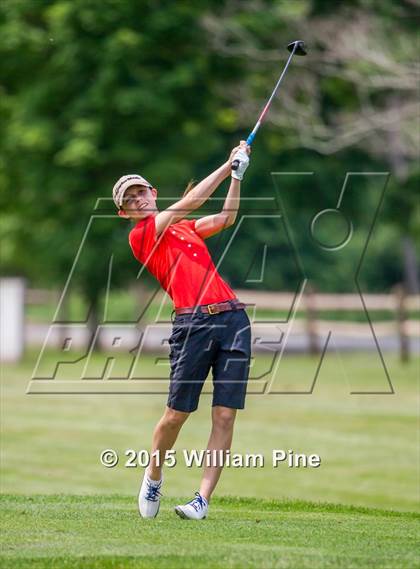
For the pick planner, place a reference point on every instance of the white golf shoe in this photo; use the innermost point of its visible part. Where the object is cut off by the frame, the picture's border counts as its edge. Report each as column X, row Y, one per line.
column 195, row 510
column 149, row 497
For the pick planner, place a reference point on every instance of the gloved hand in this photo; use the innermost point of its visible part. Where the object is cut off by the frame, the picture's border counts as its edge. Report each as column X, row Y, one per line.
column 242, row 157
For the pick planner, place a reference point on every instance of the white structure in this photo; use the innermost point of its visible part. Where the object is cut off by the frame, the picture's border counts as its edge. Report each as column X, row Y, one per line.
column 12, row 313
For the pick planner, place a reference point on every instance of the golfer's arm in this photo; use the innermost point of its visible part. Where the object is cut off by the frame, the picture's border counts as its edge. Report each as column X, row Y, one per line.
column 232, row 201
column 193, row 200
column 211, row 224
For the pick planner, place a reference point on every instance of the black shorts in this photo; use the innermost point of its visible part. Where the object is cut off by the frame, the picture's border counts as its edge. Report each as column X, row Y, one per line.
column 203, row 341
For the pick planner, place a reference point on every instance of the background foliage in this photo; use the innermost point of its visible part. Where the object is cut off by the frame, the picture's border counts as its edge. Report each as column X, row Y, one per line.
column 93, row 89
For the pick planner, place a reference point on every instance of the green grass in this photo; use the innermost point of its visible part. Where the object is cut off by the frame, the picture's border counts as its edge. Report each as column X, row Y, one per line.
column 106, row 531
column 368, row 443
column 61, row 508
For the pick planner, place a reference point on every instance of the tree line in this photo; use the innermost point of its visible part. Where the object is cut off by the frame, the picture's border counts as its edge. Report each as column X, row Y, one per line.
column 92, row 90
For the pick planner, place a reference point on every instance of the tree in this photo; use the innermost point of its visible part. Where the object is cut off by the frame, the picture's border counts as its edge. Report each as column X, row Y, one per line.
column 92, row 90
column 357, row 90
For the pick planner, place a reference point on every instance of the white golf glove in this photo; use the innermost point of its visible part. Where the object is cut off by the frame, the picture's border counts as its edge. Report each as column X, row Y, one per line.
column 243, row 159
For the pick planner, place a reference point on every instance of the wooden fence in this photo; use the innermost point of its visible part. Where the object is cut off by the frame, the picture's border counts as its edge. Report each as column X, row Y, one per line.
column 314, row 304
column 311, row 307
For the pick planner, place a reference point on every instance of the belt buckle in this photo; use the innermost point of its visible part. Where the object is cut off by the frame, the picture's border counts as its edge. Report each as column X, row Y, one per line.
column 211, row 309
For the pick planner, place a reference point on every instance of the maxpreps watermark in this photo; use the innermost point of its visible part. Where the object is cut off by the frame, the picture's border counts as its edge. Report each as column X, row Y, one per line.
column 210, row 458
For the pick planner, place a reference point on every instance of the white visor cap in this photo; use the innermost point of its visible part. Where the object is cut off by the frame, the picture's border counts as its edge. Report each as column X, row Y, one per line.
column 125, row 182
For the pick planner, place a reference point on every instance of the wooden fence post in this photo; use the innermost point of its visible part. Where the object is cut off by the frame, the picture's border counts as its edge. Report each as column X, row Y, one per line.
column 401, row 315
column 311, row 323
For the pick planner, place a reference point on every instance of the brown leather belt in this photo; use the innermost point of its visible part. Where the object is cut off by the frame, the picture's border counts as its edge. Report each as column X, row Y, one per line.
column 212, row 308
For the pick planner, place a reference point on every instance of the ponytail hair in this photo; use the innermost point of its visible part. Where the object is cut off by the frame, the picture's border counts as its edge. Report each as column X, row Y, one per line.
column 189, row 187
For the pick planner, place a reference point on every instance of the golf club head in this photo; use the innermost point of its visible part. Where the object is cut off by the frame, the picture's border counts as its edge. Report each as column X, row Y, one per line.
column 300, row 47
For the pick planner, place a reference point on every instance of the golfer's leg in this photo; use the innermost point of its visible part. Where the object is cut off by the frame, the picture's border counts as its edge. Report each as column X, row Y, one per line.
column 223, row 419
column 164, row 437
column 190, row 359
column 230, row 376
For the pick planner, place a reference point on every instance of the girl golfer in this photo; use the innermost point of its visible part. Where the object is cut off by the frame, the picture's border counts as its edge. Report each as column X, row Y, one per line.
column 211, row 328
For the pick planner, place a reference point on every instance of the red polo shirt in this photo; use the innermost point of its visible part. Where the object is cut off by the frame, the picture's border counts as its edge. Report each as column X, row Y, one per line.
column 180, row 261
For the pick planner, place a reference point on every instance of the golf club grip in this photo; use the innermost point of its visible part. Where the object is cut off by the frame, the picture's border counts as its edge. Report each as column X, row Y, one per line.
column 235, row 165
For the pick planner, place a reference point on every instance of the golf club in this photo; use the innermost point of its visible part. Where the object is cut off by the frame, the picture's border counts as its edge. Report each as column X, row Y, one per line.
column 296, row 48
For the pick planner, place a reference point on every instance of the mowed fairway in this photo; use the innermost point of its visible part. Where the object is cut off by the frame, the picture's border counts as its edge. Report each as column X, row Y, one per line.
column 62, row 508
column 105, row 531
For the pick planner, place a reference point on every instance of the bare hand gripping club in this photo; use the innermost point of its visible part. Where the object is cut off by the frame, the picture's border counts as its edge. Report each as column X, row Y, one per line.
column 296, row 48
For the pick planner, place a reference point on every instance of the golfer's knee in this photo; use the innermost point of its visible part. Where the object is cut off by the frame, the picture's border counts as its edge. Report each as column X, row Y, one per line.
column 223, row 418
column 173, row 419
